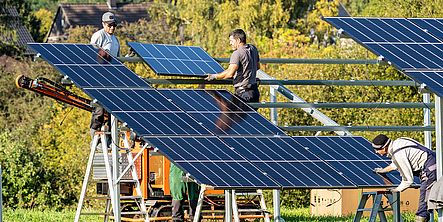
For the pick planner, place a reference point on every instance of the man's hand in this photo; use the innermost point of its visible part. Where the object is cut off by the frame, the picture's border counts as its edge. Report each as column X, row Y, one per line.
column 380, row 170
column 392, row 189
column 211, row 77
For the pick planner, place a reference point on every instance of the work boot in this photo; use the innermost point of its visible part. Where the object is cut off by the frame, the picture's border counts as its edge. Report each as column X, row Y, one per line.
column 421, row 219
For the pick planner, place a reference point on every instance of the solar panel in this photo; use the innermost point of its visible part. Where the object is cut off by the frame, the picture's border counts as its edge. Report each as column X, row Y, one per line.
column 88, row 66
column 411, row 45
column 288, row 162
column 206, row 100
column 177, row 60
column 430, row 25
column 212, row 162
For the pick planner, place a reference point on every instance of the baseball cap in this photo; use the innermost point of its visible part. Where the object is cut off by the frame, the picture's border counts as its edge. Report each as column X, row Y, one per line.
column 380, row 141
column 109, row 17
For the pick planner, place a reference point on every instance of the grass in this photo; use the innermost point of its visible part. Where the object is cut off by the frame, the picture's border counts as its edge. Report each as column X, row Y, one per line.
column 293, row 215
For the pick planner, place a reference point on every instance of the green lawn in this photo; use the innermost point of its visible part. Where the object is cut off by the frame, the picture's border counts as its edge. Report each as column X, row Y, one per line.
column 293, row 215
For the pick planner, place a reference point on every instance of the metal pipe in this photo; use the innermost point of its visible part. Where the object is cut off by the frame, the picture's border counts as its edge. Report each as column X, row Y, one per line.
column 427, row 120
column 286, row 61
column 290, row 82
column 357, row 128
column 383, row 105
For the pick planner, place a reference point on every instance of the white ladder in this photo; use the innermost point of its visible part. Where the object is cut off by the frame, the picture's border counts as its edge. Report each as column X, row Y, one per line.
column 231, row 206
column 137, row 199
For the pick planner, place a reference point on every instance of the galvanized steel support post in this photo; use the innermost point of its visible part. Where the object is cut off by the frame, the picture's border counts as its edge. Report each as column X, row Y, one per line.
column 439, row 141
column 276, row 203
column 115, row 168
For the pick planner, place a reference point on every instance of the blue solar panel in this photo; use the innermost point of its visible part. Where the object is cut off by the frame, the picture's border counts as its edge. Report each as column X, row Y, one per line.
column 206, row 100
column 430, row 25
column 210, row 161
column 132, row 100
column 382, row 30
column 177, row 60
column 412, row 45
column 88, row 66
column 233, row 123
column 270, row 148
column 312, row 174
column 411, row 56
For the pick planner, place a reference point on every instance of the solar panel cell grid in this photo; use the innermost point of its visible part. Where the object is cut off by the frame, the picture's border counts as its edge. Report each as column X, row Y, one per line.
column 206, row 100
column 270, row 148
column 132, row 100
column 237, row 123
column 412, row 45
column 177, row 60
column 88, row 67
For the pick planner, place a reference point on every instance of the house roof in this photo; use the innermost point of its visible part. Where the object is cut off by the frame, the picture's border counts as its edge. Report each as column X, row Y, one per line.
column 90, row 14
column 23, row 35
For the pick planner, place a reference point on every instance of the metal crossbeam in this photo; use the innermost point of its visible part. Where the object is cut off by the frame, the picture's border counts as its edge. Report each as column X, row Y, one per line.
column 358, row 128
column 288, row 61
column 381, row 105
column 291, row 82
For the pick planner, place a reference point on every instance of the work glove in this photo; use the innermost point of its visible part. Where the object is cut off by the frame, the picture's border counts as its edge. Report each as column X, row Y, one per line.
column 380, row 170
column 211, row 77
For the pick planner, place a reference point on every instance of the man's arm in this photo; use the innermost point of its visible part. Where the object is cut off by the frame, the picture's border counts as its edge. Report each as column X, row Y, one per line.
column 227, row 74
column 405, row 169
column 387, row 169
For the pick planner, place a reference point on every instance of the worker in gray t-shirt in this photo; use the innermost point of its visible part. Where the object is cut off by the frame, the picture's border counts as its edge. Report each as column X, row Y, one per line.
column 106, row 40
column 243, row 67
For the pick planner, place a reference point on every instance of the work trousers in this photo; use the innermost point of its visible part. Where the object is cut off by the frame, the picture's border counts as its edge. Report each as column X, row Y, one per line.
column 248, row 95
column 428, row 176
column 178, row 212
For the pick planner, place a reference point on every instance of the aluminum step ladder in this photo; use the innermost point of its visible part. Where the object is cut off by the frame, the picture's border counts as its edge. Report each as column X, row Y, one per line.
column 377, row 208
column 136, row 200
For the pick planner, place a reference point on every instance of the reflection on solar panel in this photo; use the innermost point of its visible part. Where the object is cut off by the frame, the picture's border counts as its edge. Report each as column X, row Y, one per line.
column 88, row 66
column 212, row 162
column 412, row 45
column 206, row 100
column 221, row 112
column 177, row 60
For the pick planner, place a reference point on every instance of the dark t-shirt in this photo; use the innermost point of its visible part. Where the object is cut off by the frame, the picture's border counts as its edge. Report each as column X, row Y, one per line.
column 247, row 59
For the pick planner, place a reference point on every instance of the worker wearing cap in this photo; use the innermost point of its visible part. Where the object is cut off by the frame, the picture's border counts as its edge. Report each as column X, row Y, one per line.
column 412, row 159
column 106, row 40
column 243, row 66
column 105, row 37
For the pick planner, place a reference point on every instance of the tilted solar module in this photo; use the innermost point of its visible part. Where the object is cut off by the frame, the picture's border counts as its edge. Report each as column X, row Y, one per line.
column 411, row 45
column 211, row 134
column 177, row 60
column 88, row 66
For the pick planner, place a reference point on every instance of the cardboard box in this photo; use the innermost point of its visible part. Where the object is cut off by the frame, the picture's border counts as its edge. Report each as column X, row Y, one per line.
column 344, row 202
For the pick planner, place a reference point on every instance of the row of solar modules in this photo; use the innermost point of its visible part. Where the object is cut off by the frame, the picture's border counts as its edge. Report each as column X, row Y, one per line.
column 212, row 135
column 414, row 46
